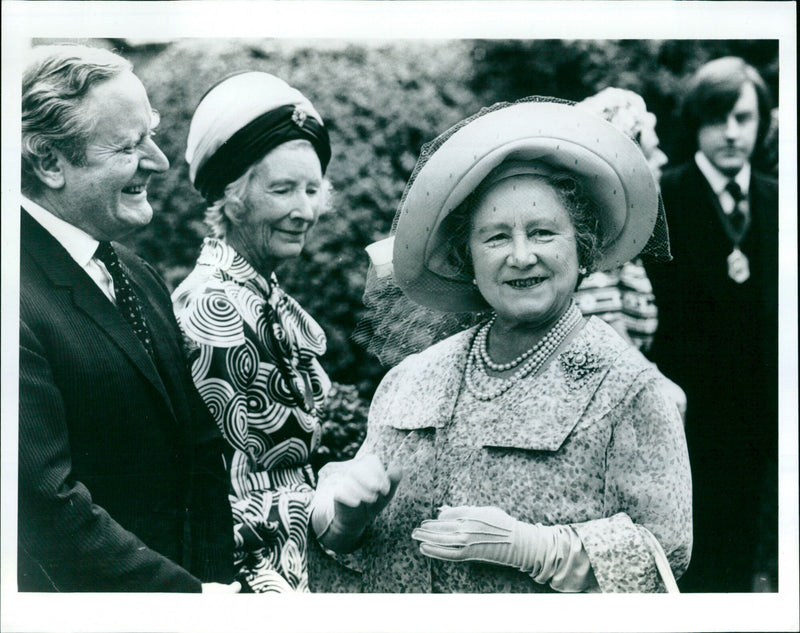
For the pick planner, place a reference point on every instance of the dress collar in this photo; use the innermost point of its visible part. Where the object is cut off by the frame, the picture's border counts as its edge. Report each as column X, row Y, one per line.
column 219, row 254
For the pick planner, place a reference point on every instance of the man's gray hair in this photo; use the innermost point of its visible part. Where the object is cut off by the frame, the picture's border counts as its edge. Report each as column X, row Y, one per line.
column 55, row 82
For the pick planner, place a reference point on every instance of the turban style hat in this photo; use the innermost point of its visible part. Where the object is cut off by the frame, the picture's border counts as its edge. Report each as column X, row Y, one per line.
column 239, row 121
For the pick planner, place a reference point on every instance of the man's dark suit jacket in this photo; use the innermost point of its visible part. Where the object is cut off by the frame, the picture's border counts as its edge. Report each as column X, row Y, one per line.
column 718, row 340
column 121, row 478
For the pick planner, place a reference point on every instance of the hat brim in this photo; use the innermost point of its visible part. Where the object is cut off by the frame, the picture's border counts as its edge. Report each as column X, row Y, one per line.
column 612, row 168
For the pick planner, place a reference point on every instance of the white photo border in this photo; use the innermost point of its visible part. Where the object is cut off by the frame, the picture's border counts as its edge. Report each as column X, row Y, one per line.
column 366, row 20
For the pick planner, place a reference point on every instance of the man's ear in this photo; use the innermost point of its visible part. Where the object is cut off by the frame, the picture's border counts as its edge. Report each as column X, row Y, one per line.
column 49, row 168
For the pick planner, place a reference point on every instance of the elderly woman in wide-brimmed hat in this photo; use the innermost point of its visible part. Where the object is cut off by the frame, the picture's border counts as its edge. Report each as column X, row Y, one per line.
column 537, row 450
column 257, row 151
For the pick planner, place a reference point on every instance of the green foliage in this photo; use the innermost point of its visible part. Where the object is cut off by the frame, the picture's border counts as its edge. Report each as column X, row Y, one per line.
column 344, row 424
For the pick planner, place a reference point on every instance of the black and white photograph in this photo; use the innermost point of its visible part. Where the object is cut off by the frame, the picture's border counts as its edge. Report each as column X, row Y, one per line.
column 360, row 302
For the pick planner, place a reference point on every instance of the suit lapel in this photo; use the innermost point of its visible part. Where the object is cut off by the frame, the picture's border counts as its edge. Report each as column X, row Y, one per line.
column 63, row 271
column 711, row 243
column 711, row 200
column 88, row 298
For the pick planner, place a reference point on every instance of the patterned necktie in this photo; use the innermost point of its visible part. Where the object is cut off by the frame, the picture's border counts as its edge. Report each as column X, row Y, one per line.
column 737, row 217
column 127, row 301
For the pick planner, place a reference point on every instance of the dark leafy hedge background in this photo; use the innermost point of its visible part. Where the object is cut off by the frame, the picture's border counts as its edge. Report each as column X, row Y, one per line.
column 381, row 102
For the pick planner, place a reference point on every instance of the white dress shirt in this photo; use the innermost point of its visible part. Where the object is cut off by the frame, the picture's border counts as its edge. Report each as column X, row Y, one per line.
column 80, row 245
column 719, row 181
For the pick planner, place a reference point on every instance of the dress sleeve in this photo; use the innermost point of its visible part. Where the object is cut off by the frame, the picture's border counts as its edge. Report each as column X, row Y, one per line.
column 647, row 488
column 74, row 543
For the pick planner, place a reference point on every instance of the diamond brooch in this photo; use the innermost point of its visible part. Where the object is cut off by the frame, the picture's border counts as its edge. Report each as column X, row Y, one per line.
column 299, row 117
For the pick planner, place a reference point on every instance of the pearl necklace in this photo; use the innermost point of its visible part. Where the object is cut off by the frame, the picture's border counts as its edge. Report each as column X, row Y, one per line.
column 482, row 343
column 532, row 360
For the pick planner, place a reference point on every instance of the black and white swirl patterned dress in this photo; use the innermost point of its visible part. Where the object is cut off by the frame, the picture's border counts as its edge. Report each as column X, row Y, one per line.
column 254, row 354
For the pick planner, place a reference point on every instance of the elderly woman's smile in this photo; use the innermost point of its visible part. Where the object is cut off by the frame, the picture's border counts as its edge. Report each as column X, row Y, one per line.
column 528, row 282
column 294, row 236
column 523, row 250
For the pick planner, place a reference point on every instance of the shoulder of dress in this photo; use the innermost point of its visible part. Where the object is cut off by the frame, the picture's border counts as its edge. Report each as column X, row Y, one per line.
column 600, row 335
column 452, row 347
column 421, row 390
column 207, row 312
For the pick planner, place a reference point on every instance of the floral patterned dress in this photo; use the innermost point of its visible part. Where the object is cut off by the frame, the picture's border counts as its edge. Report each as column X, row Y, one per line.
column 591, row 442
column 254, row 354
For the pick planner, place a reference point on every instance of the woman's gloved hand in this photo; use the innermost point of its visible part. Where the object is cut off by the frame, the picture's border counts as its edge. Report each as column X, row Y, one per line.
column 551, row 555
column 344, row 506
column 484, row 534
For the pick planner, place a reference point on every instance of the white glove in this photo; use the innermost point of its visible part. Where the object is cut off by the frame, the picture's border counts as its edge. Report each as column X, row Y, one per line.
column 346, row 504
column 489, row 535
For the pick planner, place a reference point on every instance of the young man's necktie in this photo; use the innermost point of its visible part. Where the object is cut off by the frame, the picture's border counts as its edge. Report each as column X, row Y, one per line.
column 737, row 217
column 737, row 224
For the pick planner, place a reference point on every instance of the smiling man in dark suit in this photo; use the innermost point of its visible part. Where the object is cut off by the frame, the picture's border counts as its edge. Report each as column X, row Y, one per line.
column 121, row 479
column 718, row 325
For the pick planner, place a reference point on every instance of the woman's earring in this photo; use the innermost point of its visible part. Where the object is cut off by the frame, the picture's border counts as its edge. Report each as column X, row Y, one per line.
column 474, row 282
column 582, row 270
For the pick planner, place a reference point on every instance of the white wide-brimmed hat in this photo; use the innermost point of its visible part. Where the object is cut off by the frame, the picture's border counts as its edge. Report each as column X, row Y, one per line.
column 611, row 167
